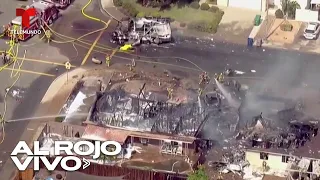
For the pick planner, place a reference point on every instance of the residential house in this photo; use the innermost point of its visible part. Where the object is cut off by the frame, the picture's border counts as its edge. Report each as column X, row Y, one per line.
column 258, row 5
column 309, row 11
column 288, row 157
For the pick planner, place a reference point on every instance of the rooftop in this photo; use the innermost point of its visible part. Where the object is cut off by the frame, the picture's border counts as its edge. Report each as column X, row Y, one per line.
column 300, row 139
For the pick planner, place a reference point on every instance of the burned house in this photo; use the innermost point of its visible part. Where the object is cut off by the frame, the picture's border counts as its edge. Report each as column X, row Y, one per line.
column 293, row 151
column 149, row 112
column 164, row 143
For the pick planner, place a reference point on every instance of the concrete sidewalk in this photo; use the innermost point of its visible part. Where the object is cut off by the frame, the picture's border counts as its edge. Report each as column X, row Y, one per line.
column 228, row 27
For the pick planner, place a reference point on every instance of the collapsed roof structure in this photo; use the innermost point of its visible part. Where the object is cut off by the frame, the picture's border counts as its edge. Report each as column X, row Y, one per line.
column 152, row 111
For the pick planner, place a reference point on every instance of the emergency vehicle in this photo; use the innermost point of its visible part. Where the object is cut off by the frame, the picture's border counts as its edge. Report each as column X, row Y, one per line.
column 45, row 13
column 59, row 3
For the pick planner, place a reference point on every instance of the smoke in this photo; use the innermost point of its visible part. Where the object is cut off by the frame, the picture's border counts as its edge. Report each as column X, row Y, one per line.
column 287, row 79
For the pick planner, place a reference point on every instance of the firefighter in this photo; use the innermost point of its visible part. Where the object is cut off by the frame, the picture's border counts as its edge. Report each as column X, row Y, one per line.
column 5, row 57
column 6, row 30
column 133, row 63
column 200, row 91
column 204, row 79
column 220, row 78
column 264, row 166
column 201, row 78
column 170, row 93
column 216, row 76
column 131, row 68
column 108, row 60
column 48, row 35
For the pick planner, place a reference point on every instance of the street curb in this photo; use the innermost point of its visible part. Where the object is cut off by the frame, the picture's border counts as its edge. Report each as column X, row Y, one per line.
column 53, row 85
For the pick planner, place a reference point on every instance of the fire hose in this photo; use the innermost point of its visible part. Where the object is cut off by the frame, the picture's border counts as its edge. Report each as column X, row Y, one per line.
column 73, row 40
column 17, row 75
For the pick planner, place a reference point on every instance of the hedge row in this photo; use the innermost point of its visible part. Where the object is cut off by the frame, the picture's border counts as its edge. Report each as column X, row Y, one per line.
column 207, row 26
column 202, row 26
column 153, row 14
column 130, row 10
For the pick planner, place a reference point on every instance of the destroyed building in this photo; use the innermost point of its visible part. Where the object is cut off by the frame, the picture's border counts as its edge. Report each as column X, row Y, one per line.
column 294, row 149
column 146, row 112
column 152, row 112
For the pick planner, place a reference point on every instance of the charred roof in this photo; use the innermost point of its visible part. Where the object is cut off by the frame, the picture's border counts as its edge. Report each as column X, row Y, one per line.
column 299, row 139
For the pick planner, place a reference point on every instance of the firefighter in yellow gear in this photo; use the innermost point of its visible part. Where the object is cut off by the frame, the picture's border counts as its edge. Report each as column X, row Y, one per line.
column 170, row 93
column 108, row 60
column 130, row 67
column 48, row 34
column 220, row 78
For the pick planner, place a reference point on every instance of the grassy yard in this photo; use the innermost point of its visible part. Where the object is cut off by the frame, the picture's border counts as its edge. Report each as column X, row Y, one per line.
column 183, row 14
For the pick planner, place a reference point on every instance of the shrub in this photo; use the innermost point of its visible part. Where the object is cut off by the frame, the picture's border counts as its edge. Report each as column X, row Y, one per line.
column 156, row 14
column 141, row 14
column 183, row 25
column 286, row 27
column 155, row 4
column 279, row 14
column 207, row 26
column 214, row 9
column 59, row 119
column 214, row 2
column 195, row 5
column 204, row 6
column 130, row 9
column 117, row 3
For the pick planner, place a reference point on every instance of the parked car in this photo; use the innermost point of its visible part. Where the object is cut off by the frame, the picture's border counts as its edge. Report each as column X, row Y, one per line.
column 312, row 31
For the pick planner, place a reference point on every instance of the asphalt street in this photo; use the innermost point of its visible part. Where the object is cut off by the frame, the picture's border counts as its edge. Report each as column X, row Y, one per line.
column 208, row 55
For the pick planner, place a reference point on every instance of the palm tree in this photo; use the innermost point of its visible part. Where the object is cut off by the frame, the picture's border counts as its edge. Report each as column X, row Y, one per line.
column 292, row 6
column 289, row 8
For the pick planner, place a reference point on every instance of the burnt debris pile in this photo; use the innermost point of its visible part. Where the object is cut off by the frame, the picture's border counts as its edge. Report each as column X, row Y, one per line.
column 146, row 112
column 296, row 135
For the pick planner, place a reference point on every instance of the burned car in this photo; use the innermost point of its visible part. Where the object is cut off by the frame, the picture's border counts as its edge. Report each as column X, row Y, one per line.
column 143, row 31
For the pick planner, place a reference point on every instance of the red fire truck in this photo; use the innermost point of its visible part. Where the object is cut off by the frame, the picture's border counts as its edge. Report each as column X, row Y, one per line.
column 59, row 3
column 45, row 13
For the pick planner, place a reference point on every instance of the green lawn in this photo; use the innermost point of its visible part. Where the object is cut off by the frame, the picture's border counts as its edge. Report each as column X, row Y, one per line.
column 184, row 14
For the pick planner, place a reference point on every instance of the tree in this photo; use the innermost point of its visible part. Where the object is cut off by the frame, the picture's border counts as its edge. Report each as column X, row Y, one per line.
column 292, row 6
column 199, row 174
column 105, row 158
column 289, row 8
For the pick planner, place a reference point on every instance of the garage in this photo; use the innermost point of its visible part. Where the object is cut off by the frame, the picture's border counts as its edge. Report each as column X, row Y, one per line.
column 247, row 4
